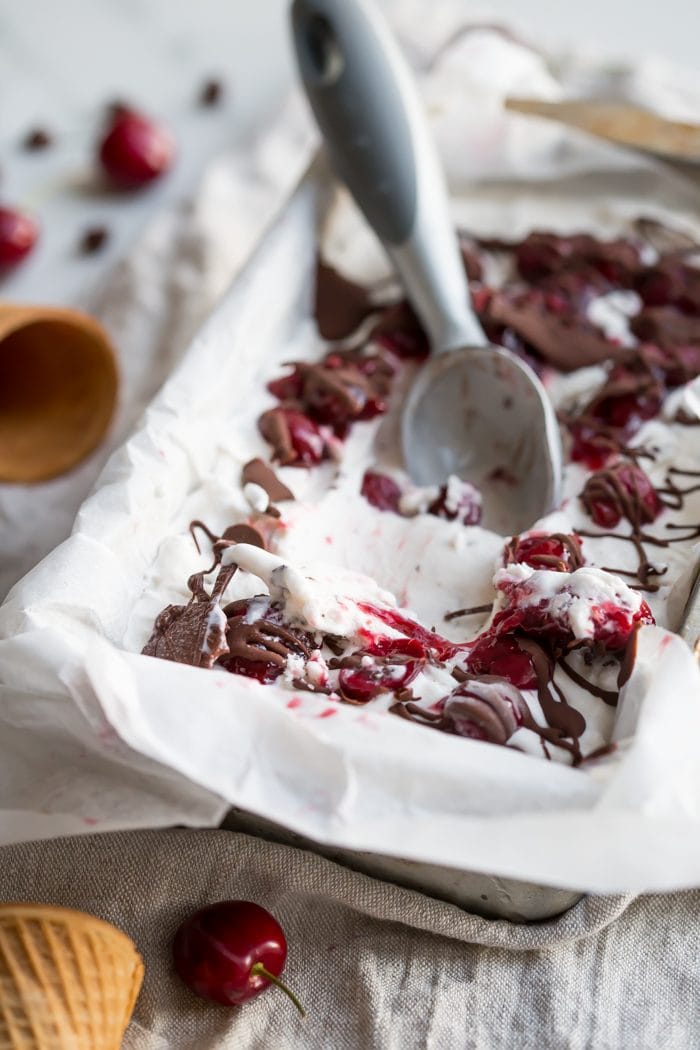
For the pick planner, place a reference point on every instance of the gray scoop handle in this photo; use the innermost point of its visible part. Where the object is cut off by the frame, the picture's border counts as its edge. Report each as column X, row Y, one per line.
column 367, row 107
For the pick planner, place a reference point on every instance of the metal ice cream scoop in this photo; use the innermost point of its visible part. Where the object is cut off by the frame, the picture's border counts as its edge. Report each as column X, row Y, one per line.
column 475, row 410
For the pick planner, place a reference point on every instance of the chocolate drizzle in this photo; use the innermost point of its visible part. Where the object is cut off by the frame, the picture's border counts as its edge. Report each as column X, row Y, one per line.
column 632, row 497
column 485, row 708
column 568, row 559
column 262, row 639
column 472, row 610
column 565, row 725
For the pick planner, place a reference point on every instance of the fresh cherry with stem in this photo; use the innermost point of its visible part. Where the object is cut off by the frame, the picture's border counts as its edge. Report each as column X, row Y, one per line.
column 231, row 951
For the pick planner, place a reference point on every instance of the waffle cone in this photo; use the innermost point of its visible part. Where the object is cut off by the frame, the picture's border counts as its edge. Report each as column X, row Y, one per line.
column 68, row 981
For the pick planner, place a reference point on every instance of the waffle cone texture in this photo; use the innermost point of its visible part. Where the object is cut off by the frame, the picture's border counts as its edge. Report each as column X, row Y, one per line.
column 68, row 981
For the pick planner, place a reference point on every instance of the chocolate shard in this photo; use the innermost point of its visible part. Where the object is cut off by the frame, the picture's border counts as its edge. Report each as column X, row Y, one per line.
column 244, row 533
column 192, row 634
column 341, row 304
column 275, row 429
column 470, row 258
column 666, row 327
column 258, row 472
column 565, row 341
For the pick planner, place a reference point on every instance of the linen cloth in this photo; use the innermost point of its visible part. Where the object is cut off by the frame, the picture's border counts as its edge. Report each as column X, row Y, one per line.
column 376, row 965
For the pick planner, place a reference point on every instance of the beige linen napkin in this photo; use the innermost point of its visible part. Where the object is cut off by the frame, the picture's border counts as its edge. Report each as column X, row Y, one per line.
column 378, row 966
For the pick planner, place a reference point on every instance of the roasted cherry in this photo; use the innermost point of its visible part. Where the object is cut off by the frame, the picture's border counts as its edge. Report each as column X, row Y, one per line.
column 388, row 665
column 501, row 656
column 381, row 491
column 297, row 441
column 621, row 491
column 542, row 550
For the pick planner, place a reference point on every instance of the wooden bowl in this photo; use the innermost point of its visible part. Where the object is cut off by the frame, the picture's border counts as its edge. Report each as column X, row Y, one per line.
column 58, row 390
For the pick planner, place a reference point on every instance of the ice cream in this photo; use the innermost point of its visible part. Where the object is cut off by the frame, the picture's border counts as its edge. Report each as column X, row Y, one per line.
column 370, row 591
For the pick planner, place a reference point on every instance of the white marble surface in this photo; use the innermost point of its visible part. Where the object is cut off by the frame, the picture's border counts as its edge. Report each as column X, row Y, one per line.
column 61, row 62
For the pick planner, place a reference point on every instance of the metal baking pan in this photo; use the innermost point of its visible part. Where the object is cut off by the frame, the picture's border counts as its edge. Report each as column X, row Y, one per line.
column 487, row 895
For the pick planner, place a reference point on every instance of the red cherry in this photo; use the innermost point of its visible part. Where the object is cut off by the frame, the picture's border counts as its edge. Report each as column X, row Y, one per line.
column 230, row 952
column 306, row 438
column 400, row 660
column 547, row 618
column 538, row 255
column 262, row 611
column 399, row 331
column 381, row 491
column 431, row 641
column 135, row 150
column 542, row 551
column 297, row 440
column 589, row 447
column 622, row 491
column 502, row 657
column 287, row 388
column 18, row 234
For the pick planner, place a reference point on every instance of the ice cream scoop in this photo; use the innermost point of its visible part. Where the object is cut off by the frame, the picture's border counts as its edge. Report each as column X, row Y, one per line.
column 58, row 389
column 475, row 410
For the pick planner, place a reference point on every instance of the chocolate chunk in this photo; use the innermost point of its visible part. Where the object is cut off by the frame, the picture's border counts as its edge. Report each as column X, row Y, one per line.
column 189, row 634
column 544, row 254
column 565, row 340
column 244, row 534
column 341, row 304
column 37, row 139
column 211, row 93
column 258, row 472
column 671, row 282
column 666, row 326
column 274, row 428
column 259, row 640
column 93, row 240
column 470, row 257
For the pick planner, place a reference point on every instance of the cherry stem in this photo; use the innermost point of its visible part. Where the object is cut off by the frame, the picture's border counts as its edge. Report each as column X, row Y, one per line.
column 258, row 970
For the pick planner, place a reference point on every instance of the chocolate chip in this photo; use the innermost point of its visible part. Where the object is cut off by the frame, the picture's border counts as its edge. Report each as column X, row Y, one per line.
column 115, row 109
column 93, row 240
column 211, row 93
column 37, row 139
